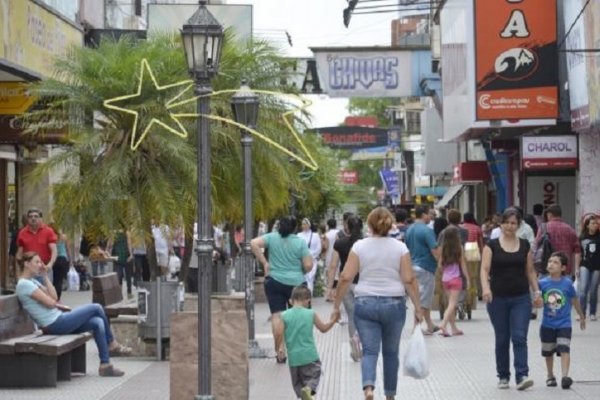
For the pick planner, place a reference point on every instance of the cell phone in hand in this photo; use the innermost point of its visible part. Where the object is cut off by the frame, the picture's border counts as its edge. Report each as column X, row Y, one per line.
column 63, row 307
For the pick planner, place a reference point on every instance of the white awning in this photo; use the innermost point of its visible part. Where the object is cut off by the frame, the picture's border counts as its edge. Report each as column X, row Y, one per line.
column 451, row 193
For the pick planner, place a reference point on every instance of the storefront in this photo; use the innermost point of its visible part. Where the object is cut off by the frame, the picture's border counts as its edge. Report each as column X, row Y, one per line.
column 32, row 35
column 549, row 165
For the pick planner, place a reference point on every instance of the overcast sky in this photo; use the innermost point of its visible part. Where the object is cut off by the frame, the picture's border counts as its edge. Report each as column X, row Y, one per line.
column 318, row 23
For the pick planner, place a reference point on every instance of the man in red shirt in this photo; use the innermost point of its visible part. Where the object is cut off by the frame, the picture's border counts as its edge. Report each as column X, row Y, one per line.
column 38, row 237
column 562, row 237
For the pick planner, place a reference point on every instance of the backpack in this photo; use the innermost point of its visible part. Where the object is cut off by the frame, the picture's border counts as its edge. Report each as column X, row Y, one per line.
column 543, row 251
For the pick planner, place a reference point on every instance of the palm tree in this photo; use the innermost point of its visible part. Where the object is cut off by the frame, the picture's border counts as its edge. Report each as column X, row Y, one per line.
column 105, row 185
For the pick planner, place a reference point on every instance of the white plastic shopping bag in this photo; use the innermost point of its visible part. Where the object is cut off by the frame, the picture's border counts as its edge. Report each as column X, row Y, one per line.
column 416, row 364
column 73, row 279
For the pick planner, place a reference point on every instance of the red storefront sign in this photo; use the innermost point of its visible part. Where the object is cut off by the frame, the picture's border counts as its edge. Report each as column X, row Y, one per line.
column 348, row 177
column 369, row 122
column 471, row 171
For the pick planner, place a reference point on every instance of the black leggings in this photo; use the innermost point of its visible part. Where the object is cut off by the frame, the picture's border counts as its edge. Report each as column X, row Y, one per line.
column 59, row 273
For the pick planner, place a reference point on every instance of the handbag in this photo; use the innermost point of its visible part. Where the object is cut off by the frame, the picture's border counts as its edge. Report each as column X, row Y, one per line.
column 472, row 252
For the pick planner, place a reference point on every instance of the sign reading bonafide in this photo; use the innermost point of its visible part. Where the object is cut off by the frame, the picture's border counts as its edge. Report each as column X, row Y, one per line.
column 352, row 72
column 516, row 59
column 353, row 137
column 549, row 152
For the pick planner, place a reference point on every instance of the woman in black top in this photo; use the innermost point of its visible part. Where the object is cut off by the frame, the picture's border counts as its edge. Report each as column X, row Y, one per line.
column 341, row 249
column 507, row 273
column 588, row 273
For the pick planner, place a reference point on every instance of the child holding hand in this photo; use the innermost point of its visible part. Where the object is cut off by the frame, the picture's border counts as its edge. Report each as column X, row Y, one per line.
column 558, row 295
column 296, row 327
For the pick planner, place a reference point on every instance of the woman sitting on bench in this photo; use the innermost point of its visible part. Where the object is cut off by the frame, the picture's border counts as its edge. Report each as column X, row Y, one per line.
column 54, row 318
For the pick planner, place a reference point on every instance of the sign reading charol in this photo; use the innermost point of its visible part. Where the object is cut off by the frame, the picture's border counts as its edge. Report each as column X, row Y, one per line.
column 549, row 152
column 516, row 59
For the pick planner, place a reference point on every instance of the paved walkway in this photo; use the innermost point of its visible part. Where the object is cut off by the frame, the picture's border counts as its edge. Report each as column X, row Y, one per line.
column 461, row 368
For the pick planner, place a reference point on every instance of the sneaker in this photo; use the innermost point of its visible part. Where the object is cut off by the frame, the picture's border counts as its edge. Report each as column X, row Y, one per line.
column 306, row 393
column 592, row 317
column 356, row 351
column 566, row 382
column 503, row 384
column 524, row 383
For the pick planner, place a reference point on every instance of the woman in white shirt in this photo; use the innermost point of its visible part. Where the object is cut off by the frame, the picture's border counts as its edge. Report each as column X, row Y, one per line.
column 313, row 241
column 386, row 275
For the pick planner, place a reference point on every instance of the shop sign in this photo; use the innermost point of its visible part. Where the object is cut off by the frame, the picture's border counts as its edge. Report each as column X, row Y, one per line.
column 549, row 152
column 390, row 181
column 348, row 177
column 353, row 137
column 13, row 128
column 516, row 59
column 14, row 98
column 33, row 36
column 352, row 72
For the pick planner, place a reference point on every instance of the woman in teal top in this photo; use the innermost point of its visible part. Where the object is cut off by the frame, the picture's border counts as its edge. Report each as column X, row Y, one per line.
column 289, row 260
column 61, row 265
column 54, row 318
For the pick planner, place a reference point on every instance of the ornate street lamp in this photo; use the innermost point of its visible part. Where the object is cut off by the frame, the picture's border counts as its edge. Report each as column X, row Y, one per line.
column 244, row 105
column 202, row 40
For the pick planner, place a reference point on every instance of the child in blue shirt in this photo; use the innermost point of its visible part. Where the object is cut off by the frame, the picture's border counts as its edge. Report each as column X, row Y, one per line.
column 559, row 295
column 296, row 327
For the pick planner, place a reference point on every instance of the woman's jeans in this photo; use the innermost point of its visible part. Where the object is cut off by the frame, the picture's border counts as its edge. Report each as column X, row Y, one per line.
column 124, row 270
column 588, row 285
column 379, row 321
column 510, row 319
column 86, row 318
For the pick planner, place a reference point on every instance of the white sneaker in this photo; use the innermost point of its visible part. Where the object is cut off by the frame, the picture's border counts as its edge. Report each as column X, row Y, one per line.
column 524, row 383
column 503, row 384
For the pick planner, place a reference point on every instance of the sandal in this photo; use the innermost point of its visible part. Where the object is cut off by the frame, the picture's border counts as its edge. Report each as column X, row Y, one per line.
column 551, row 382
column 120, row 351
column 444, row 333
column 110, row 371
column 458, row 333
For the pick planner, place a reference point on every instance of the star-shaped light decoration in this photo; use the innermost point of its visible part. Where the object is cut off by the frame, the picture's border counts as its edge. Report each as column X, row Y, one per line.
column 171, row 124
column 308, row 162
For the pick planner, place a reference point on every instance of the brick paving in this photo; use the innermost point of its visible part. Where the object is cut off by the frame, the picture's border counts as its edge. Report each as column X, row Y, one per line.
column 461, row 368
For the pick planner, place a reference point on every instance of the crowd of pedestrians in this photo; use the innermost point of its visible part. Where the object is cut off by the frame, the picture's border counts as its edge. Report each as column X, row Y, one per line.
column 373, row 270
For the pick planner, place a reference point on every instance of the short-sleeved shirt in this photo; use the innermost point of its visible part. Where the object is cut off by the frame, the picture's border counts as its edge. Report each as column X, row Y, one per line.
column 120, row 248
column 299, row 339
column 557, row 296
column 420, row 240
column 379, row 266
column 563, row 238
column 343, row 247
column 37, row 241
column 42, row 315
column 508, row 270
column 285, row 257
column 590, row 249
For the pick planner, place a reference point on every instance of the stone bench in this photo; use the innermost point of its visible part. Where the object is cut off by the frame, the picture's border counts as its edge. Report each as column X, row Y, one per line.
column 29, row 358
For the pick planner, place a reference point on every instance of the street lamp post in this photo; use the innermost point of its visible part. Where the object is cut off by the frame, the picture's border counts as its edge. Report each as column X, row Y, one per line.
column 244, row 105
column 202, row 40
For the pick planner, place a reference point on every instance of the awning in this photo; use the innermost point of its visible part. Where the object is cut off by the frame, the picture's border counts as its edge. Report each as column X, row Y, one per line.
column 452, row 192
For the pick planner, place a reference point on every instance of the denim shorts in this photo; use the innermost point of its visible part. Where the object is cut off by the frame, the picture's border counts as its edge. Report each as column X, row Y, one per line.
column 555, row 341
column 278, row 295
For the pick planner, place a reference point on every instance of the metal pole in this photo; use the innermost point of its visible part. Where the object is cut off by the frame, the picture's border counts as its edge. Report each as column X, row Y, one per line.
column 204, row 243
column 158, row 320
column 254, row 350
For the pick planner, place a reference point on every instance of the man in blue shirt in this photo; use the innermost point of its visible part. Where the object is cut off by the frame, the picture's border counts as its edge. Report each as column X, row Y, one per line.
column 424, row 253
